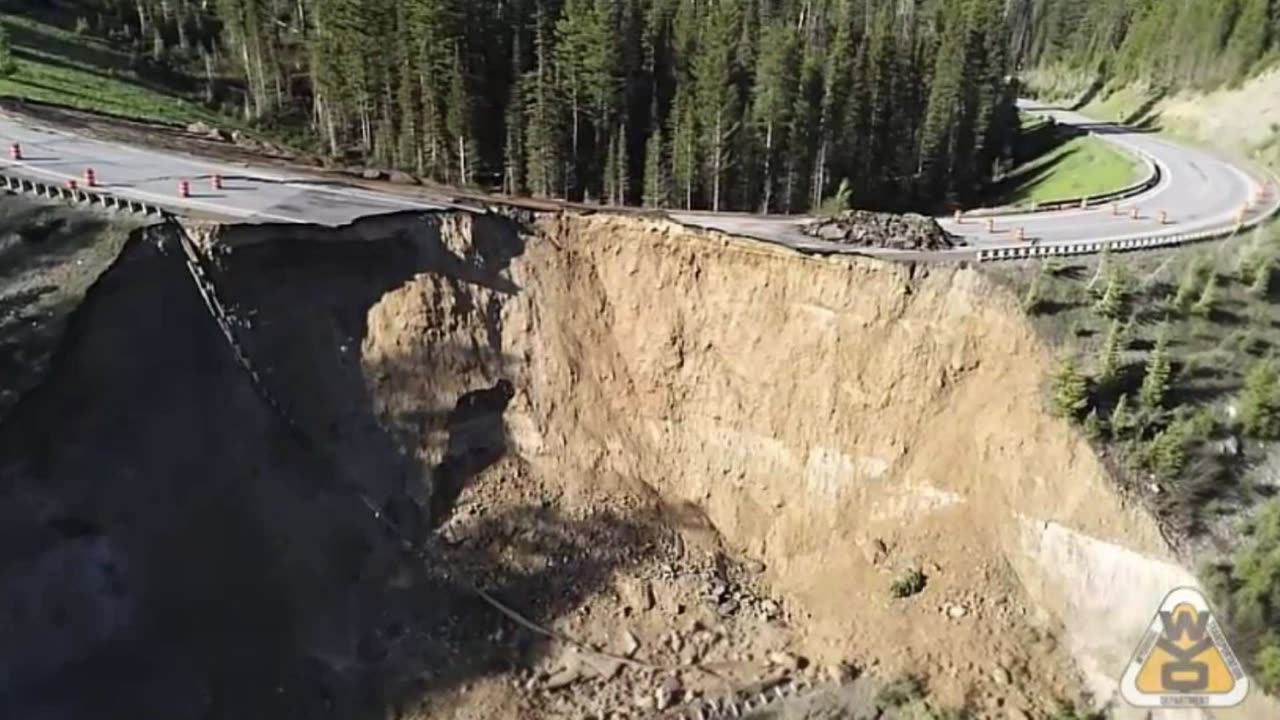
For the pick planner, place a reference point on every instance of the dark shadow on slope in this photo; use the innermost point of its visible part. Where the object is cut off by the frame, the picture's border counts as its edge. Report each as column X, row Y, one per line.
column 1090, row 93
column 477, row 439
column 1017, row 185
column 1140, row 115
column 468, row 638
column 1117, row 129
column 260, row 584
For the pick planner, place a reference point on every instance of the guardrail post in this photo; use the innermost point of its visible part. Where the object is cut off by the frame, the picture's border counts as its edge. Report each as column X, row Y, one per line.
column 1084, row 203
column 1134, row 213
column 1164, row 217
column 959, row 217
column 991, row 225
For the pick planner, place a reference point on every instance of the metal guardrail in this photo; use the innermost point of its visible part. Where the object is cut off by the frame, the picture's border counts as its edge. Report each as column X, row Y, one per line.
column 1028, row 250
column 79, row 195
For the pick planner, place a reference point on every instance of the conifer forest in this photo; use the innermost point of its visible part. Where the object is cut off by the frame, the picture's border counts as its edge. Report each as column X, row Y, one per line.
column 745, row 105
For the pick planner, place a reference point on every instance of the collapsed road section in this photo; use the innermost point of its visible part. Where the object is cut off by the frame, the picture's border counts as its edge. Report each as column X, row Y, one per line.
column 553, row 466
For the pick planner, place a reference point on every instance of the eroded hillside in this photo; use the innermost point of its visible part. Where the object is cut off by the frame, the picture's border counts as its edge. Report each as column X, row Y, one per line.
column 709, row 459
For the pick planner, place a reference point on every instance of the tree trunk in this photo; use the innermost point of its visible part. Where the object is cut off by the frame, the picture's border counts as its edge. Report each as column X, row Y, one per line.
column 819, row 175
column 718, row 158
column 768, row 168
column 208, row 75
column 144, row 23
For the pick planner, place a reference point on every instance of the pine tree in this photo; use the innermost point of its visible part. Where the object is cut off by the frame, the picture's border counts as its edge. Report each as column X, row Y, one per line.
column 513, row 151
column 657, row 179
column 1122, row 420
column 1109, row 357
column 776, row 82
column 1032, row 300
column 544, row 156
column 1155, row 383
column 1112, row 303
column 1189, row 286
column 1260, row 401
column 943, row 109
column 1092, row 426
column 684, row 145
column 7, row 65
column 586, row 59
column 459, row 122
column 716, row 99
column 1166, row 453
column 1204, row 306
column 1262, row 279
column 1102, row 273
column 623, row 164
column 1070, row 389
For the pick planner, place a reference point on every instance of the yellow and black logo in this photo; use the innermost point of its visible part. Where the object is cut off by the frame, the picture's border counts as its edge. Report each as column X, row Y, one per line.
column 1184, row 659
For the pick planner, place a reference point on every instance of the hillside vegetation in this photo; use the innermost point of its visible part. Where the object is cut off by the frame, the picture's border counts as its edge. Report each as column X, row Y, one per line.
column 1168, row 364
column 1167, row 43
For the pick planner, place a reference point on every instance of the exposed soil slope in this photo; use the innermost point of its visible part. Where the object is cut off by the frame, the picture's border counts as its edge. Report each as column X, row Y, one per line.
column 700, row 451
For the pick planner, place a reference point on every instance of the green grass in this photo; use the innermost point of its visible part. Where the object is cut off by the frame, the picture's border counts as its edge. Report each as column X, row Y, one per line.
column 1080, row 167
column 1118, row 105
column 62, row 67
column 1028, row 122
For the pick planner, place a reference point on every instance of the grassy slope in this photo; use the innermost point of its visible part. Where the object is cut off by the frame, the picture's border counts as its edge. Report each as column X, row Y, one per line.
column 58, row 66
column 1080, row 167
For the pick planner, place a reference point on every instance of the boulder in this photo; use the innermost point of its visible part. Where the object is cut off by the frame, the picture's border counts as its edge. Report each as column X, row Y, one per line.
column 208, row 131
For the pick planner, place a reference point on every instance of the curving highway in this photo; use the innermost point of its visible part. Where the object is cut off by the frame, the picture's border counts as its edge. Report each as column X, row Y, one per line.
column 1197, row 190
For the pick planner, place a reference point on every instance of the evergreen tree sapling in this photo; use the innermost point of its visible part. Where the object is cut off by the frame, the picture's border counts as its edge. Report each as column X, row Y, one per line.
column 1070, row 389
column 1155, row 383
column 1259, row 404
column 1123, row 423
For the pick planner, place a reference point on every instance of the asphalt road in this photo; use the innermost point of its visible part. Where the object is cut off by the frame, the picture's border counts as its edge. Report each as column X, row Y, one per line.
column 247, row 194
column 1197, row 191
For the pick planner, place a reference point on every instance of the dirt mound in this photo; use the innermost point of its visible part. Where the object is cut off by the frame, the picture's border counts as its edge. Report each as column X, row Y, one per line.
column 704, row 461
column 882, row 230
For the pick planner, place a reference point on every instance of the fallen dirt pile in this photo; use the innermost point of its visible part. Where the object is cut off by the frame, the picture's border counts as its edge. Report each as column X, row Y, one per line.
column 882, row 230
column 707, row 462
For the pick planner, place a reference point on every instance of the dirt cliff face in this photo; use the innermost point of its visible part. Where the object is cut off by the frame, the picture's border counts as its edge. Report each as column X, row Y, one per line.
column 722, row 448
column 839, row 420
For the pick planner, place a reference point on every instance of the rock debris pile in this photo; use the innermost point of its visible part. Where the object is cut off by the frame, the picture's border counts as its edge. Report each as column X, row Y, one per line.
column 882, row 230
